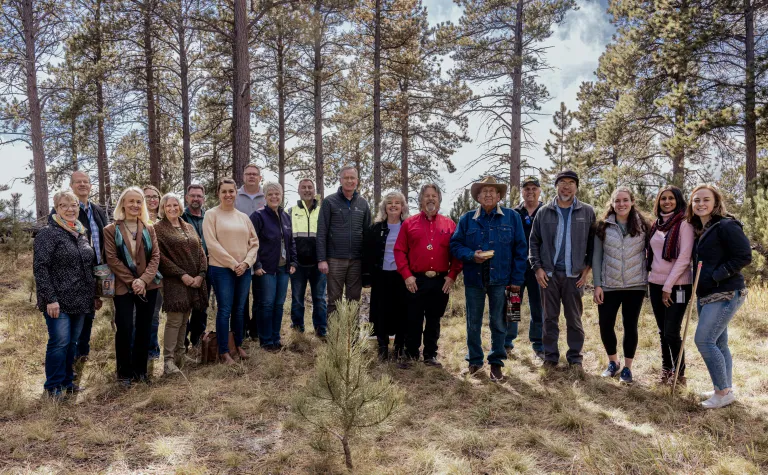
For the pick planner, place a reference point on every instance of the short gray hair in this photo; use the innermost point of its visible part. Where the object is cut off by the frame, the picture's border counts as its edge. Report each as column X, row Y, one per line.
column 60, row 195
column 164, row 200
column 382, row 215
column 272, row 185
column 434, row 186
column 348, row 167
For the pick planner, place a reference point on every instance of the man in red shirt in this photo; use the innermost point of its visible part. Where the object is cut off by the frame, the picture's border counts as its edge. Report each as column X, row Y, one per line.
column 423, row 258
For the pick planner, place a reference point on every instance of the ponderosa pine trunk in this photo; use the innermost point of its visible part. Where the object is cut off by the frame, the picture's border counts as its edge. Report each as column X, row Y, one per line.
column 241, row 92
column 377, row 105
column 517, row 110
column 155, row 176
column 750, row 117
column 30, row 32
column 186, row 139
column 281, row 107
column 318, row 102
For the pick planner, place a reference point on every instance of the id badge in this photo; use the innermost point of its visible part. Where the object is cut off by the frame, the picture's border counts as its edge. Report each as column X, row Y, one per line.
column 680, row 296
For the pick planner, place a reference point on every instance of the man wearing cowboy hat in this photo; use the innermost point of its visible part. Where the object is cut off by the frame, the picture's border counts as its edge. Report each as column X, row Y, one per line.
column 561, row 253
column 491, row 243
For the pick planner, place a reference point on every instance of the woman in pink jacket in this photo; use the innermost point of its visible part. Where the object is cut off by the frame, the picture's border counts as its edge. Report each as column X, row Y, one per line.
column 669, row 248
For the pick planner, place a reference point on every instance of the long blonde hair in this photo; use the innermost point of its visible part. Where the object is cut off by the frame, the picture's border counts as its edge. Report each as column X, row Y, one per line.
column 382, row 214
column 119, row 212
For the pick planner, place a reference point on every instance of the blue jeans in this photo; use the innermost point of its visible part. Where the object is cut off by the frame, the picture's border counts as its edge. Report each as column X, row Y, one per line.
column 712, row 339
column 84, row 340
column 317, row 282
column 475, row 297
column 154, row 345
column 534, row 305
column 274, row 288
column 63, row 333
column 231, row 293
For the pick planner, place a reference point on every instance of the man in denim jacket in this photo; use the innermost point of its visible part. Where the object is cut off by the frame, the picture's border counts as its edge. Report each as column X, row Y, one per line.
column 497, row 229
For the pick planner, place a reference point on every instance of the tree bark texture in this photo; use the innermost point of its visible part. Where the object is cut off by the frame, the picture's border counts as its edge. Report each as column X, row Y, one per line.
column 377, row 105
column 517, row 91
column 241, row 91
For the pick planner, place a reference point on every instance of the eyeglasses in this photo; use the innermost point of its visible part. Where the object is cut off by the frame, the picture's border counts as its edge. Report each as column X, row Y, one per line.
column 68, row 206
column 488, row 192
column 152, row 198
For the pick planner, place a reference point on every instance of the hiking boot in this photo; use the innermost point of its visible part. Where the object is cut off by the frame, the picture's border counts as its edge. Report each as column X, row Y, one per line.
column 539, row 355
column 383, row 354
column 74, row 389
column 626, row 376
column 612, row 370
column 298, row 328
column 666, row 377
column 473, row 368
column 432, row 362
column 550, row 364
column 170, row 368
column 496, row 374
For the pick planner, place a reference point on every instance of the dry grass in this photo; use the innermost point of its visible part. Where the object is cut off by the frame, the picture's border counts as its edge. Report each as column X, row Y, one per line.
column 239, row 420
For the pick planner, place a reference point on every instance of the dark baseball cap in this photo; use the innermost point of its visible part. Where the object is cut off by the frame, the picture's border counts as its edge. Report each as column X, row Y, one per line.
column 567, row 174
column 531, row 180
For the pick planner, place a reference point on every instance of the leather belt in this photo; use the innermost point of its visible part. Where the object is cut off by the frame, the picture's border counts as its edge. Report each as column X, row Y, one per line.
column 430, row 274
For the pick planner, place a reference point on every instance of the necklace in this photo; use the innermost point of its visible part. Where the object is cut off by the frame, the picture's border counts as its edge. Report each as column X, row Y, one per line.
column 133, row 233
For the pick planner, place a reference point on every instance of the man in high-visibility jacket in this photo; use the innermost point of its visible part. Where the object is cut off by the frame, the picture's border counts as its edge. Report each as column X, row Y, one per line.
column 304, row 223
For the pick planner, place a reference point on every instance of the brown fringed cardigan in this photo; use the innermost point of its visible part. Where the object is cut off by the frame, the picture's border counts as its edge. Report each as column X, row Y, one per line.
column 181, row 253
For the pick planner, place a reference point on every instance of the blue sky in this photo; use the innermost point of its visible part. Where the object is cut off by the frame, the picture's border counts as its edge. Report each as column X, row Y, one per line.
column 574, row 50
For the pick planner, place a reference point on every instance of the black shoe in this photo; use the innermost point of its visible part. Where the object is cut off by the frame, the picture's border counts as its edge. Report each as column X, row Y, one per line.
column 54, row 394
column 433, row 362
column 473, row 368
column 612, row 370
column 539, row 355
column 125, row 383
column 383, row 354
column 297, row 328
column 550, row 364
column 496, row 374
column 74, row 389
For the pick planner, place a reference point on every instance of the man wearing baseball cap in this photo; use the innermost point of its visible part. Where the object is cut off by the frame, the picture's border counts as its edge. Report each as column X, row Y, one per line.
column 491, row 243
column 560, row 254
column 531, row 192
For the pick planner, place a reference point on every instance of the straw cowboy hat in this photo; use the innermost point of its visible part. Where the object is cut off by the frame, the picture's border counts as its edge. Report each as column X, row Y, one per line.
column 487, row 181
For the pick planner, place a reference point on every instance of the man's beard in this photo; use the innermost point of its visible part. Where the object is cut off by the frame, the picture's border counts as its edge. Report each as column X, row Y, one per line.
column 561, row 198
column 431, row 208
column 195, row 205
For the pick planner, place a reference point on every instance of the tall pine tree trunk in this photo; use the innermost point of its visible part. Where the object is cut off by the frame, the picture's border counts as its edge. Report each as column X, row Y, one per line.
column 377, row 105
column 750, row 118
column 678, row 152
column 155, row 176
column 241, row 92
column 517, row 91
column 185, row 126
column 28, row 22
column 281, row 107
column 102, row 166
column 318, row 101
column 404, row 144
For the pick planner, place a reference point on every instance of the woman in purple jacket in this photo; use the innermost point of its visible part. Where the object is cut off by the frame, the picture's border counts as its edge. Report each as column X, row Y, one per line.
column 274, row 264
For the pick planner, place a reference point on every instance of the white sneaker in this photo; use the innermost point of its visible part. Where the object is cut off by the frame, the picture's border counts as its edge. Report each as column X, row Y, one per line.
column 716, row 402
column 709, row 394
column 171, row 368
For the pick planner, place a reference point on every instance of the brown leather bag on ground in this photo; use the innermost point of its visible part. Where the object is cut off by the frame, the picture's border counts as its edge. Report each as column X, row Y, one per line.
column 210, row 347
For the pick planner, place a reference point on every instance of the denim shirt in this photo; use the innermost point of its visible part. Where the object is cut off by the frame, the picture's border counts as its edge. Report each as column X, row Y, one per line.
column 501, row 230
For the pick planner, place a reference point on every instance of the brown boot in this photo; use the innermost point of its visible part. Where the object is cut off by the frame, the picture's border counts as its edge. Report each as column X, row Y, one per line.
column 665, row 377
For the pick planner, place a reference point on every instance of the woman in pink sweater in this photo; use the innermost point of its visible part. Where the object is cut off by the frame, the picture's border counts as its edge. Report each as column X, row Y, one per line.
column 669, row 248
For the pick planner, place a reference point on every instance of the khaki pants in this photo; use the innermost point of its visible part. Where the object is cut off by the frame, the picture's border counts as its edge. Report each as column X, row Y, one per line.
column 175, row 331
column 344, row 274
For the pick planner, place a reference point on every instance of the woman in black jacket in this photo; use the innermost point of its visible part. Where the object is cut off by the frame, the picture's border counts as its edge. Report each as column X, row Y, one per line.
column 63, row 270
column 388, row 293
column 723, row 249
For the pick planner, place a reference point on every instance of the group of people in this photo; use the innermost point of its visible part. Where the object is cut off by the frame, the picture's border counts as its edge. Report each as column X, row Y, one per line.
column 167, row 256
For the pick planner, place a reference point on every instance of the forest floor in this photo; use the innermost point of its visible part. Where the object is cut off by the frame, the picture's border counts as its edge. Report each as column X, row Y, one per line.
column 217, row 419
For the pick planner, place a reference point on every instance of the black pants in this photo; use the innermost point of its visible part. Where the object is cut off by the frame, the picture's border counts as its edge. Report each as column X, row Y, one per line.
column 251, row 311
column 427, row 303
column 670, row 320
column 631, row 302
column 132, row 362
column 388, row 309
column 198, row 321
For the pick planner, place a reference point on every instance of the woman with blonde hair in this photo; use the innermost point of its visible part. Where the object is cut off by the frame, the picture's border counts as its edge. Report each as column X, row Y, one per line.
column 62, row 266
column 183, row 265
column 723, row 249
column 388, row 292
column 133, row 256
column 620, row 277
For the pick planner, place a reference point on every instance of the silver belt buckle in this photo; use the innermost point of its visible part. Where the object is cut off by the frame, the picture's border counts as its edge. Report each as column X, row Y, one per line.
column 430, row 273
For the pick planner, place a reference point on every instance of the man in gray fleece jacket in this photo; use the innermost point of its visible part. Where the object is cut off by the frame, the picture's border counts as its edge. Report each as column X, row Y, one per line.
column 561, row 254
column 344, row 217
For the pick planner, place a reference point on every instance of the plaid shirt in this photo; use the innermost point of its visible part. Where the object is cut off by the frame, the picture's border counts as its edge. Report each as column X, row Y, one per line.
column 94, row 230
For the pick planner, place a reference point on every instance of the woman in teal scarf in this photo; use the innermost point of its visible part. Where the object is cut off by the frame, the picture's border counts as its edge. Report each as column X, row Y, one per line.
column 133, row 256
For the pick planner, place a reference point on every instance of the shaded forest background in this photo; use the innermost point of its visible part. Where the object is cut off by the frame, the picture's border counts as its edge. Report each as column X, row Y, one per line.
column 171, row 92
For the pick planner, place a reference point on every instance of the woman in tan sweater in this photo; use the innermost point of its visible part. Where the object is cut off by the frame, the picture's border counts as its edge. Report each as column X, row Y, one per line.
column 133, row 256
column 232, row 245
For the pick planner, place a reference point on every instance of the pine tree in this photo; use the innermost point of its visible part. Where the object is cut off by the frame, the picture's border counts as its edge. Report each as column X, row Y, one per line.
column 342, row 399
column 556, row 148
column 462, row 205
column 498, row 50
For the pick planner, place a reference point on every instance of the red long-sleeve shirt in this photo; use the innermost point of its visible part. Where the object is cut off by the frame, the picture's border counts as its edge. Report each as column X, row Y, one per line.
column 424, row 245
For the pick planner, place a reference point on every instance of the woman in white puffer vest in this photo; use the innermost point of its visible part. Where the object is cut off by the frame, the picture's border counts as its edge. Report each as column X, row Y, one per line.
column 620, row 277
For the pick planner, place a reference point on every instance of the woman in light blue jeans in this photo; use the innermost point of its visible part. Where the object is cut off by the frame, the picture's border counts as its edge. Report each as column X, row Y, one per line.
column 723, row 250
